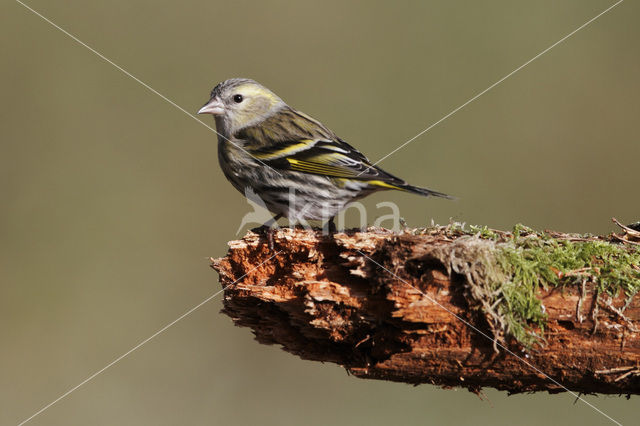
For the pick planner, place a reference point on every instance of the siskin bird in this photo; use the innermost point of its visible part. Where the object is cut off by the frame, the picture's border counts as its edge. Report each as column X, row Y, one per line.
column 296, row 165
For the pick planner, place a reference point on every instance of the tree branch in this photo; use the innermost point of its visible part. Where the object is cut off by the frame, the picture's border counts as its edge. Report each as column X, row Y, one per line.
column 443, row 305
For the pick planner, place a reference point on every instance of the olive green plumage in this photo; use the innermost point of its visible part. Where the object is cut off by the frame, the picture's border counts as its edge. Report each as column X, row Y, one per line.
column 296, row 165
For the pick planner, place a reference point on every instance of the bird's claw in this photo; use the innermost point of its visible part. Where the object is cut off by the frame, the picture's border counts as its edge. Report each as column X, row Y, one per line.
column 268, row 232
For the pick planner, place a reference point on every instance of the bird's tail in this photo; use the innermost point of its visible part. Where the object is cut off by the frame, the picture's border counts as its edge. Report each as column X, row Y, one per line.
column 424, row 191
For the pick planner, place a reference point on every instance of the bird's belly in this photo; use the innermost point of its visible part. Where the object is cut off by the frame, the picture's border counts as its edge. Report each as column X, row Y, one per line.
column 299, row 205
column 295, row 195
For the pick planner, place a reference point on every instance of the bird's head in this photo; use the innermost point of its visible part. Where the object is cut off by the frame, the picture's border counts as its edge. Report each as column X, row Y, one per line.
column 239, row 102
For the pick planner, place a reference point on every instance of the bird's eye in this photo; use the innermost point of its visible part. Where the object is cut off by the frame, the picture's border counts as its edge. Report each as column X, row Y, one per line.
column 237, row 98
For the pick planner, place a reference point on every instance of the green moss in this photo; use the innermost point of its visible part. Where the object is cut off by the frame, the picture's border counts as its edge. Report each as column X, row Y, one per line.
column 483, row 232
column 532, row 260
column 524, row 261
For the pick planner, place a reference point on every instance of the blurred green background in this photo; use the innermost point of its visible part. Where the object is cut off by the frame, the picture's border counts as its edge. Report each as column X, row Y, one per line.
column 112, row 200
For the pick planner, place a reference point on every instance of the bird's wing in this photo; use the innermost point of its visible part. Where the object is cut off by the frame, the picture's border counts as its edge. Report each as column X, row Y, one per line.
column 291, row 140
column 332, row 158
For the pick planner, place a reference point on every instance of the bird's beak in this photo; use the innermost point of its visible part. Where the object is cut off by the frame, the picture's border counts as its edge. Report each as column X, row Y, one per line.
column 213, row 107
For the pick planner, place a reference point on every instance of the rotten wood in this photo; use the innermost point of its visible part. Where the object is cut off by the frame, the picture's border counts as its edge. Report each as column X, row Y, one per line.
column 386, row 306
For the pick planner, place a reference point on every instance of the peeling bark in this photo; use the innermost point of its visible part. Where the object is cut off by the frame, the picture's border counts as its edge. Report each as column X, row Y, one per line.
column 413, row 317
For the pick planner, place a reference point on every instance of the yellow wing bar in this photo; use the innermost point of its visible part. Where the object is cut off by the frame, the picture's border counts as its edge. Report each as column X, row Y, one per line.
column 321, row 169
column 283, row 151
column 384, row 184
column 335, row 171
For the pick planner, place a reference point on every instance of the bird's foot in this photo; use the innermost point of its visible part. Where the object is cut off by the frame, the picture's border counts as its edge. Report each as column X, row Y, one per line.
column 268, row 232
column 268, row 229
column 332, row 226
